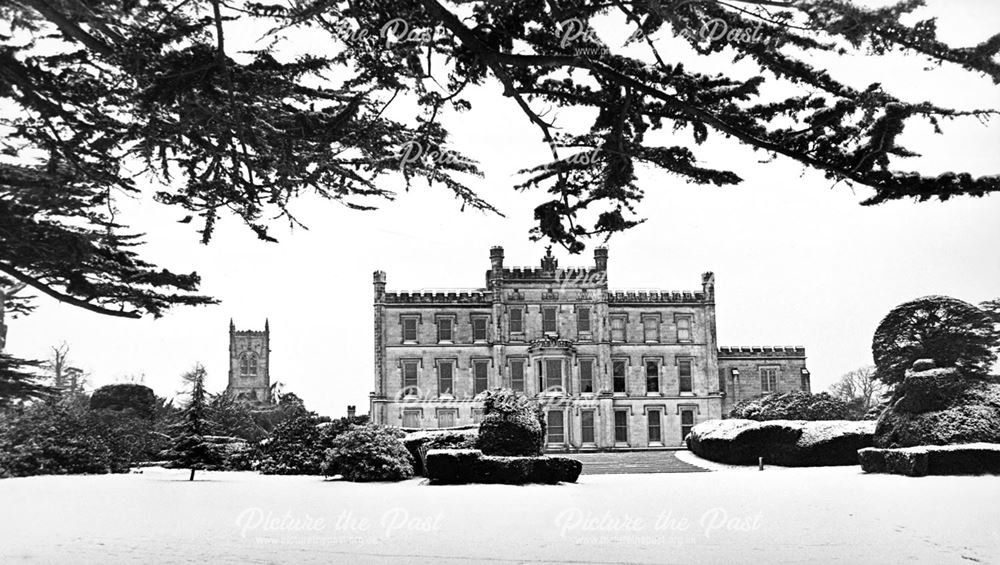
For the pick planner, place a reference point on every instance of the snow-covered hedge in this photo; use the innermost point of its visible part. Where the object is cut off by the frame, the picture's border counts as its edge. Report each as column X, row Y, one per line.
column 417, row 443
column 459, row 466
column 965, row 459
column 792, row 443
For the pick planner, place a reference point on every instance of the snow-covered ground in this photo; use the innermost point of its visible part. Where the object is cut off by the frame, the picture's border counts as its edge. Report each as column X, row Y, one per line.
column 816, row 515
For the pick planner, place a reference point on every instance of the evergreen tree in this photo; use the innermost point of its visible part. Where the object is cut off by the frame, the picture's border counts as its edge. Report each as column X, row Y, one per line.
column 126, row 93
column 190, row 449
column 18, row 383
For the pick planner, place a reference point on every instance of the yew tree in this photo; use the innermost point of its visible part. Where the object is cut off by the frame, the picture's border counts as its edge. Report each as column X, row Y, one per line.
column 109, row 99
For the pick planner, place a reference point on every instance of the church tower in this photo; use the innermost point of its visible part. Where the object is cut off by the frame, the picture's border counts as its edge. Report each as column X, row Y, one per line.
column 250, row 363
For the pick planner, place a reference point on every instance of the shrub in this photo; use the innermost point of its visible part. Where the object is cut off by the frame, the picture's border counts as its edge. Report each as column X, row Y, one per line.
column 457, row 438
column 140, row 399
column 512, row 424
column 967, row 459
column 443, row 441
column 792, row 406
column 369, row 453
column 789, row 443
column 293, row 448
column 460, row 466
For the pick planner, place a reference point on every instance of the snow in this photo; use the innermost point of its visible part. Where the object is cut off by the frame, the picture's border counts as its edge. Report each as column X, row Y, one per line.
column 812, row 431
column 795, row 515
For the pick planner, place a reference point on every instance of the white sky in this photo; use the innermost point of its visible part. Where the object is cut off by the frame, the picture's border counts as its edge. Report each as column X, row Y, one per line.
column 796, row 262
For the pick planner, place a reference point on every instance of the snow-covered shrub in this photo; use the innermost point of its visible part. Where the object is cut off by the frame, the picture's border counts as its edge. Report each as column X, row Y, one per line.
column 369, row 453
column 52, row 439
column 796, row 405
column 126, row 396
column 512, row 424
column 454, row 438
column 793, row 443
column 460, row 466
column 966, row 459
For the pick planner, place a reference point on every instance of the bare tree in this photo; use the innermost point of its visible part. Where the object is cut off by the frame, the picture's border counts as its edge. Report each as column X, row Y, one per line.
column 65, row 377
column 860, row 389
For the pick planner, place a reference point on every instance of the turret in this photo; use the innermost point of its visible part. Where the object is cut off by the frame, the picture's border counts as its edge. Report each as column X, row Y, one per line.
column 496, row 260
column 378, row 279
column 601, row 258
column 708, row 285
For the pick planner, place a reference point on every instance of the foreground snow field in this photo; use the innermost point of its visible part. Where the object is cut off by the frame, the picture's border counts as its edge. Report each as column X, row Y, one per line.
column 816, row 515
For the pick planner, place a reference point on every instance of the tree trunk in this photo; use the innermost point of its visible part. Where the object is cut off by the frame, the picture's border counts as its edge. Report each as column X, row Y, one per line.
column 192, row 475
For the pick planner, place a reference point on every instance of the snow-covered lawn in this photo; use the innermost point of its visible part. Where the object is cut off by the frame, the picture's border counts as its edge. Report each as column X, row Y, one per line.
column 811, row 516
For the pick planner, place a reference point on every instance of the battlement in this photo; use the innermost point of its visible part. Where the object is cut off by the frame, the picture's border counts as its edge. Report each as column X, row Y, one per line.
column 465, row 297
column 537, row 273
column 654, row 296
column 762, row 351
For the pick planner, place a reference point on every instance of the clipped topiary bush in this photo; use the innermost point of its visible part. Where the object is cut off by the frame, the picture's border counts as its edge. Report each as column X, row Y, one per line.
column 369, row 453
column 796, row 405
column 967, row 459
column 461, row 466
column 453, row 438
column 781, row 442
column 512, row 425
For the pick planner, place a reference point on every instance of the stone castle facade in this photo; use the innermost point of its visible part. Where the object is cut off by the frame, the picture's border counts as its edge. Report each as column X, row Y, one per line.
column 614, row 369
column 250, row 363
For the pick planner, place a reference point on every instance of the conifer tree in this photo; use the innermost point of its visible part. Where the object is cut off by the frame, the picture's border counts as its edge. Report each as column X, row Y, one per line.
column 190, row 449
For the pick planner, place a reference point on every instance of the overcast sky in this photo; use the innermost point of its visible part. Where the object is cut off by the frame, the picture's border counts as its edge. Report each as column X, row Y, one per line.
column 797, row 262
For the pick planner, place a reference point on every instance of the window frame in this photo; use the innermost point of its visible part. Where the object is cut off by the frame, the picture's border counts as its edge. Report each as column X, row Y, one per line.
column 657, row 321
column 588, row 362
column 654, row 414
column 549, row 427
column 624, row 426
column 485, row 319
column 593, row 427
column 403, row 363
column 694, row 421
column 451, row 319
column 548, row 363
column 580, row 330
column 523, row 362
column 555, row 319
column 438, row 363
column 520, row 320
column 615, row 378
column 772, row 385
column 689, row 320
column 403, row 319
column 476, row 363
column 624, row 329
column 411, row 412
column 658, row 363
column 453, row 412
column 681, row 361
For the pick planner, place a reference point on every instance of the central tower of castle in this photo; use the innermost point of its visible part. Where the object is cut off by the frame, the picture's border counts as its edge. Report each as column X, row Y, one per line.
column 250, row 363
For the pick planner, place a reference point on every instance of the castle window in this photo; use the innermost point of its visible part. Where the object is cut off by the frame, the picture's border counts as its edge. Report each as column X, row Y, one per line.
column 583, row 320
column 587, row 426
column 446, row 377
column 446, row 330
column 687, row 422
column 409, row 377
column 618, row 375
column 516, row 320
column 587, row 375
column 683, row 328
column 653, row 425
column 684, row 372
column 769, row 379
column 652, row 376
column 548, row 320
column 621, row 427
column 411, row 418
column 651, row 329
column 517, row 374
column 618, row 328
column 479, row 325
column 554, row 427
column 410, row 329
column 480, row 376
column 553, row 374
column 446, row 418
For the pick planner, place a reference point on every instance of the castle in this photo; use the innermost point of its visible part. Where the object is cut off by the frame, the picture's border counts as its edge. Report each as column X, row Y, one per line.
column 250, row 363
column 615, row 369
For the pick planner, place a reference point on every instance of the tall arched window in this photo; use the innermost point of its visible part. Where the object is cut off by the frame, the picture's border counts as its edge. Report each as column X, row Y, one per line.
column 248, row 365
